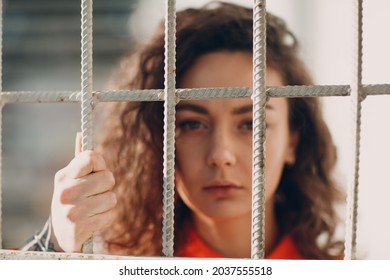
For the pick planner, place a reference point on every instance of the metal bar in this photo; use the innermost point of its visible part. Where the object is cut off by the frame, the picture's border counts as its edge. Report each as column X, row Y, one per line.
column 309, row 91
column 169, row 128
column 183, row 94
column 356, row 101
column 282, row 91
column 86, row 74
column 86, row 87
column 1, row 175
column 259, row 101
column 379, row 89
column 15, row 97
column 27, row 255
column 1, row 124
column 130, row 95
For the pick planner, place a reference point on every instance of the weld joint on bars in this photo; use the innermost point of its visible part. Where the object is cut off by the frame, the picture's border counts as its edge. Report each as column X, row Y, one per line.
column 8, row 97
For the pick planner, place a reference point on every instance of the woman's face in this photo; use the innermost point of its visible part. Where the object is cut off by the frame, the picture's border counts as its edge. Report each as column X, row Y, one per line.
column 214, row 139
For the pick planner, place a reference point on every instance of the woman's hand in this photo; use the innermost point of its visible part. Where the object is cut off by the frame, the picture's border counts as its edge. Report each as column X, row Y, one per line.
column 83, row 200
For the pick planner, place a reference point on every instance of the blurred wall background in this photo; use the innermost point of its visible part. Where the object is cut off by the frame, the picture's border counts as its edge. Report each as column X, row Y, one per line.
column 42, row 50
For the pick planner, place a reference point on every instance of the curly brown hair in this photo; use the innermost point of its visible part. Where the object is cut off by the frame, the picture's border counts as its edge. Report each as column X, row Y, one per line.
column 133, row 136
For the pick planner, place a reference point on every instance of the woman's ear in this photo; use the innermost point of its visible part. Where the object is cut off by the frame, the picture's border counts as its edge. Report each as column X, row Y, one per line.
column 291, row 150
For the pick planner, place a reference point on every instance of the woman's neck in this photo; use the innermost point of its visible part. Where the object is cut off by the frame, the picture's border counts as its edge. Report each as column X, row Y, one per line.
column 232, row 237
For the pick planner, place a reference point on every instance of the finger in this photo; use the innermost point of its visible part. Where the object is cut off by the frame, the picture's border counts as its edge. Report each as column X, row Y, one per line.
column 85, row 163
column 101, row 221
column 95, row 205
column 94, row 224
column 100, row 203
column 74, row 191
column 78, row 144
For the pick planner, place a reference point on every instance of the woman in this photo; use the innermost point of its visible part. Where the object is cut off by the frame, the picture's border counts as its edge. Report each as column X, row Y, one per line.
column 120, row 184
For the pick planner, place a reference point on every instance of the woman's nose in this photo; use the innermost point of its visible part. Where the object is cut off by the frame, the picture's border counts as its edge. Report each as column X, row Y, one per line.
column 221, row 150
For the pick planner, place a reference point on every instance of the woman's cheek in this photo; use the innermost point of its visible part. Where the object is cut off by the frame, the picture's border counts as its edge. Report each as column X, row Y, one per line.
column 274, row 162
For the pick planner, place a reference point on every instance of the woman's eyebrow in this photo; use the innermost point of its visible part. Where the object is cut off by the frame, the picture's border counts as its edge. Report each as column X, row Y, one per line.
column 243, row 109
column 248, row 108
column 192, row 107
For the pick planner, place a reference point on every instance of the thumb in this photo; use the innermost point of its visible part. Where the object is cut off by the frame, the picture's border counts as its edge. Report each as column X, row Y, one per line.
column 78, row 144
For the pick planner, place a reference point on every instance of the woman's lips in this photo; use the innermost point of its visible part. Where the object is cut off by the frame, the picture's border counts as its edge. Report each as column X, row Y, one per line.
column 222, row 188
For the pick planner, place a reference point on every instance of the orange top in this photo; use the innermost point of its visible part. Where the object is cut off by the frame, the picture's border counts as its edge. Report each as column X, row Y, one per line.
column 195, row 247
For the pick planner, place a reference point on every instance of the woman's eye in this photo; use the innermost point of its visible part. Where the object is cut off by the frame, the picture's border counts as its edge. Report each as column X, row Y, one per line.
column 247, row 125
column 190, row 125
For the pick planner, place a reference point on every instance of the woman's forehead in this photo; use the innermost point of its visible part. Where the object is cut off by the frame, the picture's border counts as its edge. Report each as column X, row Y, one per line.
column 233, row 105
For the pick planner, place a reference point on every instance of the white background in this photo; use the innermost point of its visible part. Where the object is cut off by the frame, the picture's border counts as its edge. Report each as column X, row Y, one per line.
column 111, row 269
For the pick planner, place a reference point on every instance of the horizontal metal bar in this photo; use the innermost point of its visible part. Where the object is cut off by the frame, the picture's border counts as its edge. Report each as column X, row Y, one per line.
column 131, row 95
column 29, row 255
column 310, row 91
column 40, row 96
column 213, row 93
column 285, row 91
column 186, row 94
column 75, row 96
column 379, row 89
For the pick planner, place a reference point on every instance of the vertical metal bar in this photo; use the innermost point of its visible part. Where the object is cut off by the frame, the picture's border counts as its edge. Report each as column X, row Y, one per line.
column 169, row 128
column 1, row 124
column 1, row 175
column 357, row 97
column 86, row 86
column 259, row 101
